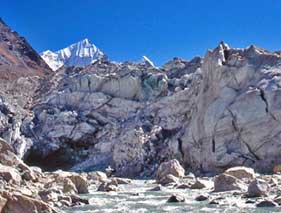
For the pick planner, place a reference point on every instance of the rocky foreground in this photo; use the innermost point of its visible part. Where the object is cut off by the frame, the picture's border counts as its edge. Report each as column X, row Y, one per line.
column 28, row 189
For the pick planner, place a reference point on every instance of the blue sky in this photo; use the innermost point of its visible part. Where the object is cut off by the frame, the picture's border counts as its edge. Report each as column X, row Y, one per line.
column 159, row 29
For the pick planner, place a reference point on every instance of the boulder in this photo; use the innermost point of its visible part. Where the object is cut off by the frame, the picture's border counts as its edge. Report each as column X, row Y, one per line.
column 277, row 200
column 257, row 188
column 197, row 185
column 69, row 187
column 183, row 186
column 122, row 180
column 224, row 182
column 108, row 187
column 3, row 202
column 75, row 199
column 202, row 198
column 176, row 199
column 267, row 203
column 156, row 188
column 19, row 203
column 80, row 183
column 97, row 176
column 241, row 172
column 48, row 195
column 10, row 174
column 171, row 167
column 168, row 179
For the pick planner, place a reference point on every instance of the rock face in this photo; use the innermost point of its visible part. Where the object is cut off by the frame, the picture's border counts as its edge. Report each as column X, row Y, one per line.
column 236, row 117
column 209, row 113
column 22, row 70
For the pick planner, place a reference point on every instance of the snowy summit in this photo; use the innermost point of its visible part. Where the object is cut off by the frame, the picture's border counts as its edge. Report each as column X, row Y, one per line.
column 79, row 54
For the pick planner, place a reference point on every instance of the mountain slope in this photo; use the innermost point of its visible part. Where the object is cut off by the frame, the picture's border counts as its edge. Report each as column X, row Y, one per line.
column 80, row 54
column 17, row 57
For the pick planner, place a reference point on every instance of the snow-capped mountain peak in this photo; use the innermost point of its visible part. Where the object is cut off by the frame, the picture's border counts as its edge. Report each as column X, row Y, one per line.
column 79, row 54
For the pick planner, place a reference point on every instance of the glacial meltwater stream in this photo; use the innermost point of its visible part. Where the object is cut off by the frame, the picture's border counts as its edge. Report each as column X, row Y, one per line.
column 137, row 198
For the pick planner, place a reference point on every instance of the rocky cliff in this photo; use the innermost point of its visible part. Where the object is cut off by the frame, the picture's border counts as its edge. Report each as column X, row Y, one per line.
column 210, row 113
column 23, row 76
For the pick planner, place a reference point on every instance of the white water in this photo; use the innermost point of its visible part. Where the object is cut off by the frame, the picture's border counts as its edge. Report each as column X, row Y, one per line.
column 136, row 198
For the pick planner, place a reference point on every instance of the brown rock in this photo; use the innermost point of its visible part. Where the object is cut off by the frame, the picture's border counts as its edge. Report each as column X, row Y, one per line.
column 122, row 180
column 266, row 203
column 168, row 179
column 184, row 186
column 3, row 202
column 197, row 185
column 48, row 195
column 77, row 200
column 19, row 203
column 202, row 198
column 241, row 172
column 257, row 188
column 175, row 199
column 156, row 188
column 97, row 176
column 171, row 167
column 69, row 187
column 10, row 174
column 80, row 183
column 107, row 187
column 224, row 182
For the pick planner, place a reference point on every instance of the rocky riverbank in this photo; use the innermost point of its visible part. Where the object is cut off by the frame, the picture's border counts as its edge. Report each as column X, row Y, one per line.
column 28, row 189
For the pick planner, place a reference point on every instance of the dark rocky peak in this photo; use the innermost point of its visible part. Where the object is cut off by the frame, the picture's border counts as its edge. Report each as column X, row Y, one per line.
column 19, row 58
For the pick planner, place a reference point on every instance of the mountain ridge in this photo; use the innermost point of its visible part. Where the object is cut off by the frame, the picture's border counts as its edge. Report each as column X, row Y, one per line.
column 79, row 54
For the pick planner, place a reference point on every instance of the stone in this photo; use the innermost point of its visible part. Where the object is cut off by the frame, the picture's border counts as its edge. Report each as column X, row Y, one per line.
column 10, row 174
column 277, row 200
column 48, row 196
column 241, row 172
column 69, row 187
column 257, row 188
column 75, row 199
column 197, row 185
column 97, row 176
column 107, row 187
column 80, row 183
column 224, row 182
column 171, row 167
column 20, row 203
column 202, row 198
column 267, row 203
column 183, row 186
column 214, row 202
column 3, row 202
column 168, row 179
column 156, row 188
column 122, row 180
column 176, row 199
